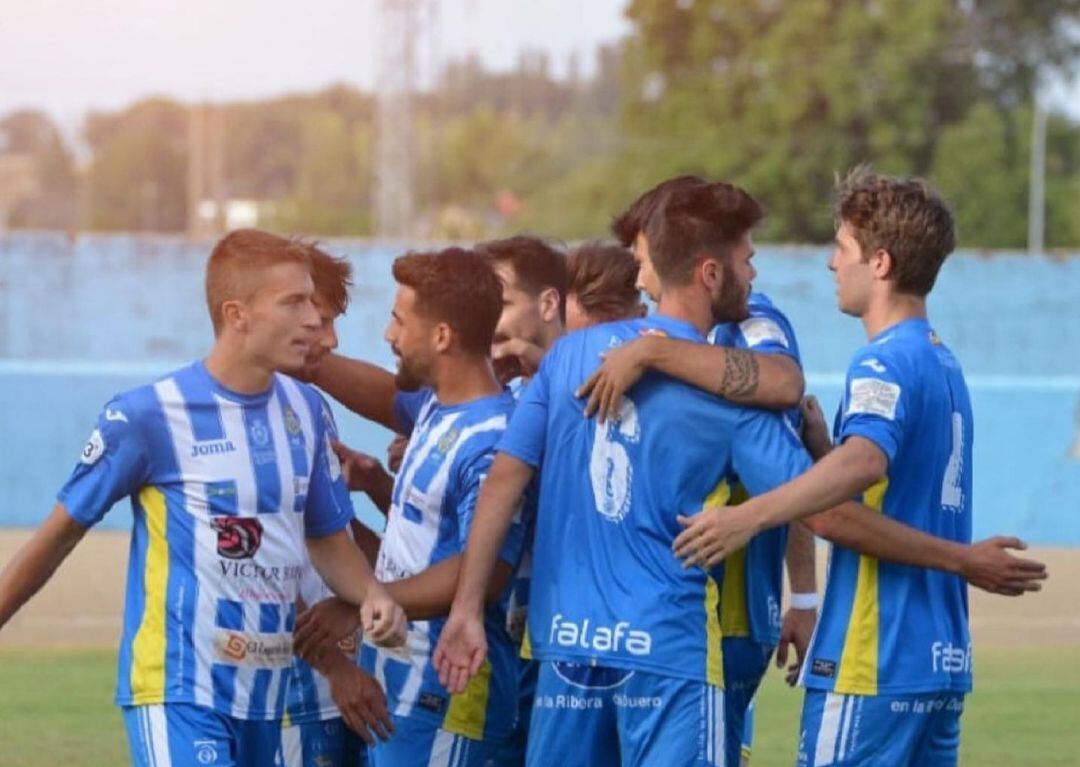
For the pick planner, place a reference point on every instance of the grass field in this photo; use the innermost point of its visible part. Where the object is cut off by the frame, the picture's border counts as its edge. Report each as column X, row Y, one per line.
column 1025, row 711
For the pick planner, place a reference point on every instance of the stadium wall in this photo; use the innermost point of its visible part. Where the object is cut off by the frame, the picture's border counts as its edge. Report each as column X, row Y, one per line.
column 83, row 318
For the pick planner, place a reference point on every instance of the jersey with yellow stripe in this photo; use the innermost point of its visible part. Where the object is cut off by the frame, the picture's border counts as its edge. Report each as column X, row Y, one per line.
column 753, row 577
column 607, row 589
column 449, row 453
column 886, row 628
column 224, row 487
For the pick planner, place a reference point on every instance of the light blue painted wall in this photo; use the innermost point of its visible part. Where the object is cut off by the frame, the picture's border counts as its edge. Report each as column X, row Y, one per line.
column 80, row 320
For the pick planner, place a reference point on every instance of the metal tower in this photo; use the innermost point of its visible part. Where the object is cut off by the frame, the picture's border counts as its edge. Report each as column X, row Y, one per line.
column 404, row 26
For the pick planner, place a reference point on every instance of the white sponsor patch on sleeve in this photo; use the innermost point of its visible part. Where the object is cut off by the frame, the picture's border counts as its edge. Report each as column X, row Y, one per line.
column 332, row 462
column 759, row 330
column 874, row 397
column 94, row 449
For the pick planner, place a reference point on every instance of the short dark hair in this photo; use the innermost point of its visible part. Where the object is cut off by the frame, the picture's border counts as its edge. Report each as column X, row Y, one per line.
column 537, row 264
column 332, row 277
column 237, row 261
column 458, row 287
column 626, row 225
column 904, row 216
column 693, row 222
column 603, row 278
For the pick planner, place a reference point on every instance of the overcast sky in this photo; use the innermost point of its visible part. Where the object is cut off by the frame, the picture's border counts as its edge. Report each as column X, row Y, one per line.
column 67, row 56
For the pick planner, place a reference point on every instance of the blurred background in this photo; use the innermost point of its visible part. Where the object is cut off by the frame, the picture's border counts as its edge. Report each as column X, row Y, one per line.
column 133, row 134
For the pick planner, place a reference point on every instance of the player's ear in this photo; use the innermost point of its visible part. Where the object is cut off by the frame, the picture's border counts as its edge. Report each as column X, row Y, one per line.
column 234, row 315
column 710, row 272
column 442, row 337
column 549, row 304
column 882, row 263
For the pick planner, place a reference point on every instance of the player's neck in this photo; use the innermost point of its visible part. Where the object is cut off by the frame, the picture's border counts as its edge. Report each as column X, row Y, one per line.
column 233, row 370
column 892, row 309
column 464, row 378
column 683, row 305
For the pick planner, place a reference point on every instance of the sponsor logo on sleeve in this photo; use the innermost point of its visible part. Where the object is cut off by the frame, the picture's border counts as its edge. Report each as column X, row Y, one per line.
column 873, row 364
column 873, row 396
column 93, row 449
column 761, row 330
column 115, row 415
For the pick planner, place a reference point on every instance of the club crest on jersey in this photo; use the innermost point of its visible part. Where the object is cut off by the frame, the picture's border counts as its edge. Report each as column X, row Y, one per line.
column 237, row 537
column 447, row 440
column 292, row 423
column 260, row 435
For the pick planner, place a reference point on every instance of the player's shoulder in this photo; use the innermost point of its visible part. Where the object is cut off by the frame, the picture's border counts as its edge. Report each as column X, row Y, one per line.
column 900, row 352
column 146, row 400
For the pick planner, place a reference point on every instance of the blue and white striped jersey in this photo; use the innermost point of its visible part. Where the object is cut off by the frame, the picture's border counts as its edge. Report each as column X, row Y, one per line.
column 224, row 487
column 309, row 691
column 448, row 456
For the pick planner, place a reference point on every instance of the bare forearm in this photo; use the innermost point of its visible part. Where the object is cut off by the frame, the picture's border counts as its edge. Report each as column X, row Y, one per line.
column 800, row 555
column 363, row 388
column 870, row 532
column 839, row 476
column 342, row 565
column 761, row 380
column 430, row 594
column 499, row 499
column 367, row 541
column 34, row 564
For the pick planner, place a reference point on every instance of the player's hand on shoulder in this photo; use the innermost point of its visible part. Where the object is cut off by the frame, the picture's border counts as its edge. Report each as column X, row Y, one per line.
column 619, row 370
column 989, row 566
column 322, row 626
column 815, row 432
column 714, row 533
column 383, row 619
column 461, row 650
column 361, row 701
column 395, row 452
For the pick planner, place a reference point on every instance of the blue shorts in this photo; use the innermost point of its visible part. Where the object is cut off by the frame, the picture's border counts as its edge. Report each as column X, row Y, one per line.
column 186, row 735
column 745, row 664
column 418, row 743
column 328, row 743
column 916, row 730
column 594, row 715
column 510, row 751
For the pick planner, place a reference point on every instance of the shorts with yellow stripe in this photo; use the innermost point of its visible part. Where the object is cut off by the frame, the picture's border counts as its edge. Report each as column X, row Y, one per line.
column 918, row 730
column 585, row 715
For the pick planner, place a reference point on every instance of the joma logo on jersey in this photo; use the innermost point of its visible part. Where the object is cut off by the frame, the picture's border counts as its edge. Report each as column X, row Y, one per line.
column 215, row 447
column 237, row 537
column 567, row 633
column 949, row 658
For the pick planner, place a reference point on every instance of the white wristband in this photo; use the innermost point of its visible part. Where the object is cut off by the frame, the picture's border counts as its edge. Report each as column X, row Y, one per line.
column 806, row 601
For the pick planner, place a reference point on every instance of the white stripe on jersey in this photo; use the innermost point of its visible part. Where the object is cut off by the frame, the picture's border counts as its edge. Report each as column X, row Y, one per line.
column 159, row 736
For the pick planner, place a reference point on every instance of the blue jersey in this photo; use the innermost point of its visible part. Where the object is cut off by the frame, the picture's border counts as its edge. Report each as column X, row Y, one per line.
column 448, row 456
column 753, row 577
column 610, row 591
column 224, row 487
column 885, row 628
column 309, row 698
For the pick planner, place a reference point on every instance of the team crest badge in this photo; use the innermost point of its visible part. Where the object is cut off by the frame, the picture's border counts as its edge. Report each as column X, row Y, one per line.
column 292, row 423
column 447, row 440
column 237, row 537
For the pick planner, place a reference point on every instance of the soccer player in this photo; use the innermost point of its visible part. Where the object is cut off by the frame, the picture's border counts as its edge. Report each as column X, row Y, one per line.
column 601, row 286
column 753, row 361
column 228, row 467
column 330, row 712
column 446, row 397
column 890, row 662
column 629, row 641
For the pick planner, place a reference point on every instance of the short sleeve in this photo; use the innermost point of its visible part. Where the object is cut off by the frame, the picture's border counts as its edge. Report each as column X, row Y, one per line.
column 407, row 407
column 328, row 507
column 766, row 451
column 767, row 331
column 114, row 464
column 876, row 400
column 524, row 437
